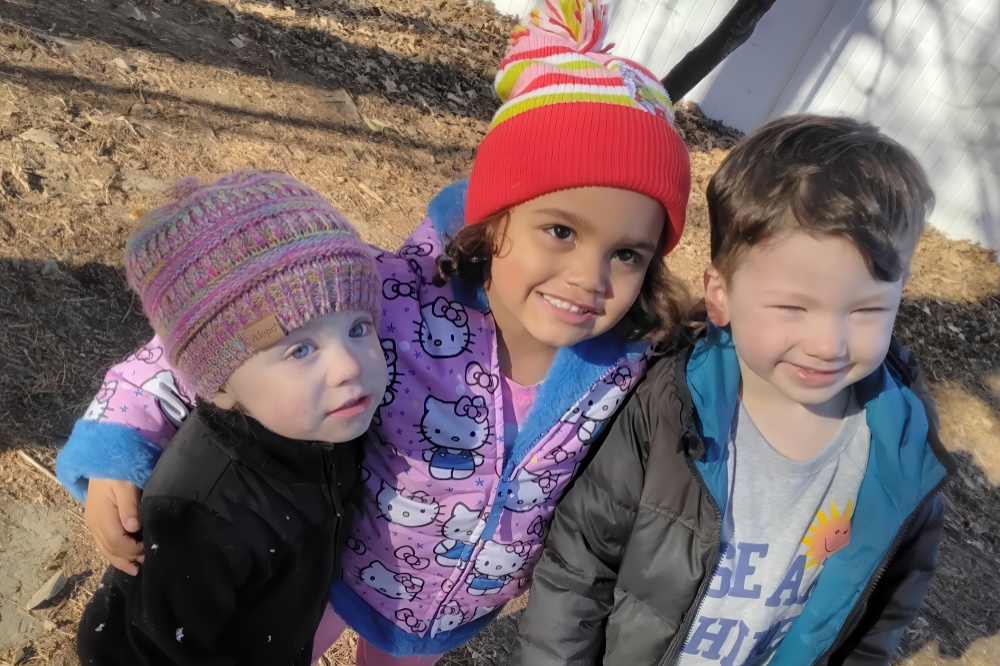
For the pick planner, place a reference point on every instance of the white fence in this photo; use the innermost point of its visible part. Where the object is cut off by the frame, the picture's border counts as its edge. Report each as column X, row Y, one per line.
column 927, row 72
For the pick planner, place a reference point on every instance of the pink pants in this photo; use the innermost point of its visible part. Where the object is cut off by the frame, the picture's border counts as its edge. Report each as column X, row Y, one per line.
column 330, row 629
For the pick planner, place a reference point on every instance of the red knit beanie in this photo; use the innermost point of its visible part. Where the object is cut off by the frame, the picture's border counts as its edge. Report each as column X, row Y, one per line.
column 576, row 116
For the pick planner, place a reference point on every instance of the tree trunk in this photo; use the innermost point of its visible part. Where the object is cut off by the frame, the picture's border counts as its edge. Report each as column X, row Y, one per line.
column 734, row 29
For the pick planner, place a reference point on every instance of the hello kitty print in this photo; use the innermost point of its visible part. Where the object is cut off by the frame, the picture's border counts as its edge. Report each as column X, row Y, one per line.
column 455, row 431
column 459, row 514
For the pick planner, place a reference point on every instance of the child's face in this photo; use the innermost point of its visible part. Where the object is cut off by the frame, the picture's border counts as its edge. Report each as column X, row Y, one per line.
column 323, row 382
column 808, row 320
column 572, row 262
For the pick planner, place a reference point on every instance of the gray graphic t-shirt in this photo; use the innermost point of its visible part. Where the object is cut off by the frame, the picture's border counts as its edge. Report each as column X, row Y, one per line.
column 783, row 519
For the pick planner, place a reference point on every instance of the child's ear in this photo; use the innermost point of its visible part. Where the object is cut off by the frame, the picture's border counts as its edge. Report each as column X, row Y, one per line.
column 224, row 398
column 716, row 302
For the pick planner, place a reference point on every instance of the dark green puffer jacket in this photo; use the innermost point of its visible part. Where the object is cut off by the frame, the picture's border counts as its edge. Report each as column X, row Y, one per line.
column 633, row 543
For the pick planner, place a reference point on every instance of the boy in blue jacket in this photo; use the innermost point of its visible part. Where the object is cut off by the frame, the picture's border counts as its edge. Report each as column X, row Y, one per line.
column 769, row 494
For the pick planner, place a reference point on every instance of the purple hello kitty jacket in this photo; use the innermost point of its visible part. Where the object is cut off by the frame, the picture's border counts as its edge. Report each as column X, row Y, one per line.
column 450, row 519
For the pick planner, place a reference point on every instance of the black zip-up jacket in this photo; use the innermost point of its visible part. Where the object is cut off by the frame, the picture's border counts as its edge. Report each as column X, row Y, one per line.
column 241, row 529
column 634, row 542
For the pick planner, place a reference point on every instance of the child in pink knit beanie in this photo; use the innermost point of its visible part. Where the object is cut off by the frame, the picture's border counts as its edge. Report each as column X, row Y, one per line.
column 268, row 301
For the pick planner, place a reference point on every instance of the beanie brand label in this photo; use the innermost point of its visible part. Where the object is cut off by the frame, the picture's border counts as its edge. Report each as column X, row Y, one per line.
column 264, row 332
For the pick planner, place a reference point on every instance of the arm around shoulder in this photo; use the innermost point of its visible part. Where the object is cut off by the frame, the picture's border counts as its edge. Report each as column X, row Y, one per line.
column 139, row 407
column 573, row 589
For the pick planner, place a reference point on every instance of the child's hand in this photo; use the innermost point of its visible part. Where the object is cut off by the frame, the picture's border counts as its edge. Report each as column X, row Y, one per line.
column 112, row 514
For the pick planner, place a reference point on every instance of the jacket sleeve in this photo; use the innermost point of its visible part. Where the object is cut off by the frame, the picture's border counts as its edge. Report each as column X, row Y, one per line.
column 897, row 597
column 187, row 596
column 573, row 590
column 139, row 407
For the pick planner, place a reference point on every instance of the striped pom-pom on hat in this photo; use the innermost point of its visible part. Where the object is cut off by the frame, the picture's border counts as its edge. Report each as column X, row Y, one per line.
column 574, row 115
column 253, row 247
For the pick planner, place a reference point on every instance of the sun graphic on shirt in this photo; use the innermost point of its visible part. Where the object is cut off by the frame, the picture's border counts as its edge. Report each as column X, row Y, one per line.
column 828, row 534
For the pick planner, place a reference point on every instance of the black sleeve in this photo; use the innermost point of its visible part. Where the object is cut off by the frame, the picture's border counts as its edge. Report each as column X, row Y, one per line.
column 573, row 589
column 187, row 596
column 897, row 597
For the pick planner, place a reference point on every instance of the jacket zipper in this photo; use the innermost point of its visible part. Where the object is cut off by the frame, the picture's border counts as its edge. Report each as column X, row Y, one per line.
column 883, row 565
column 333, row 494
column 681, row 638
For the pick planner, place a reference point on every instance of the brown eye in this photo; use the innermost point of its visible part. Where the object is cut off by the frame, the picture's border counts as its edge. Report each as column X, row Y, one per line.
column 630, row 257
column 560, row 232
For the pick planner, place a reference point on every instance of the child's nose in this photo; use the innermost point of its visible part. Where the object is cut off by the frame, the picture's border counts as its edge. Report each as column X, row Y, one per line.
column 588, row 274
column 828, row 341
column 345, row 366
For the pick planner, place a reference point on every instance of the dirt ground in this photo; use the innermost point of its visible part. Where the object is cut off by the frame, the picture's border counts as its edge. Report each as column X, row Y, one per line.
column 105, row 103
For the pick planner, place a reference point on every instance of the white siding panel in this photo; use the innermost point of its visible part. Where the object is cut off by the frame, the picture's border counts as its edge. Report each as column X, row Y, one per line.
column 816, row 63
column 688, row 24
column 743, row 89
column 910, row 79
column 627, row 23
column 840, row 89
column 958, row 117
column 653, row 34
column 888, row 58
column 948, row 73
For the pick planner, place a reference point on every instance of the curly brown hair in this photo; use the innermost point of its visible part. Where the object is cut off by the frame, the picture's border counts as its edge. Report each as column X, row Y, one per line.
column 656, row 314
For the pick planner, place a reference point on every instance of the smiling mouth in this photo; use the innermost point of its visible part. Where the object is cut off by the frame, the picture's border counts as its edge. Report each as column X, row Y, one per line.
column 817, row 371
column 814, row 371
column 567, row 305
column 352, row 407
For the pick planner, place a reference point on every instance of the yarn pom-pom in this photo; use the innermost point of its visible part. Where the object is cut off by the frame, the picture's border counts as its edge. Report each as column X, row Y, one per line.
column 584, row 23
column 185, row 186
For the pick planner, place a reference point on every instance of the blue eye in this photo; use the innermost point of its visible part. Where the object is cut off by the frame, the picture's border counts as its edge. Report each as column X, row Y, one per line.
column 360, row 329
column 301, row 351
column 560, row 232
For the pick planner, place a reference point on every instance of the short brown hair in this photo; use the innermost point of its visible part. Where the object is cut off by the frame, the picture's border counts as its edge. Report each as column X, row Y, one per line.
column 662, row 301
column 827, row 175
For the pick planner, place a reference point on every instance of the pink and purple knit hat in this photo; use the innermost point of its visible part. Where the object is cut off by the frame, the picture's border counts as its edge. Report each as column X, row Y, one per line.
column 574, row 115
column 218, row 267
